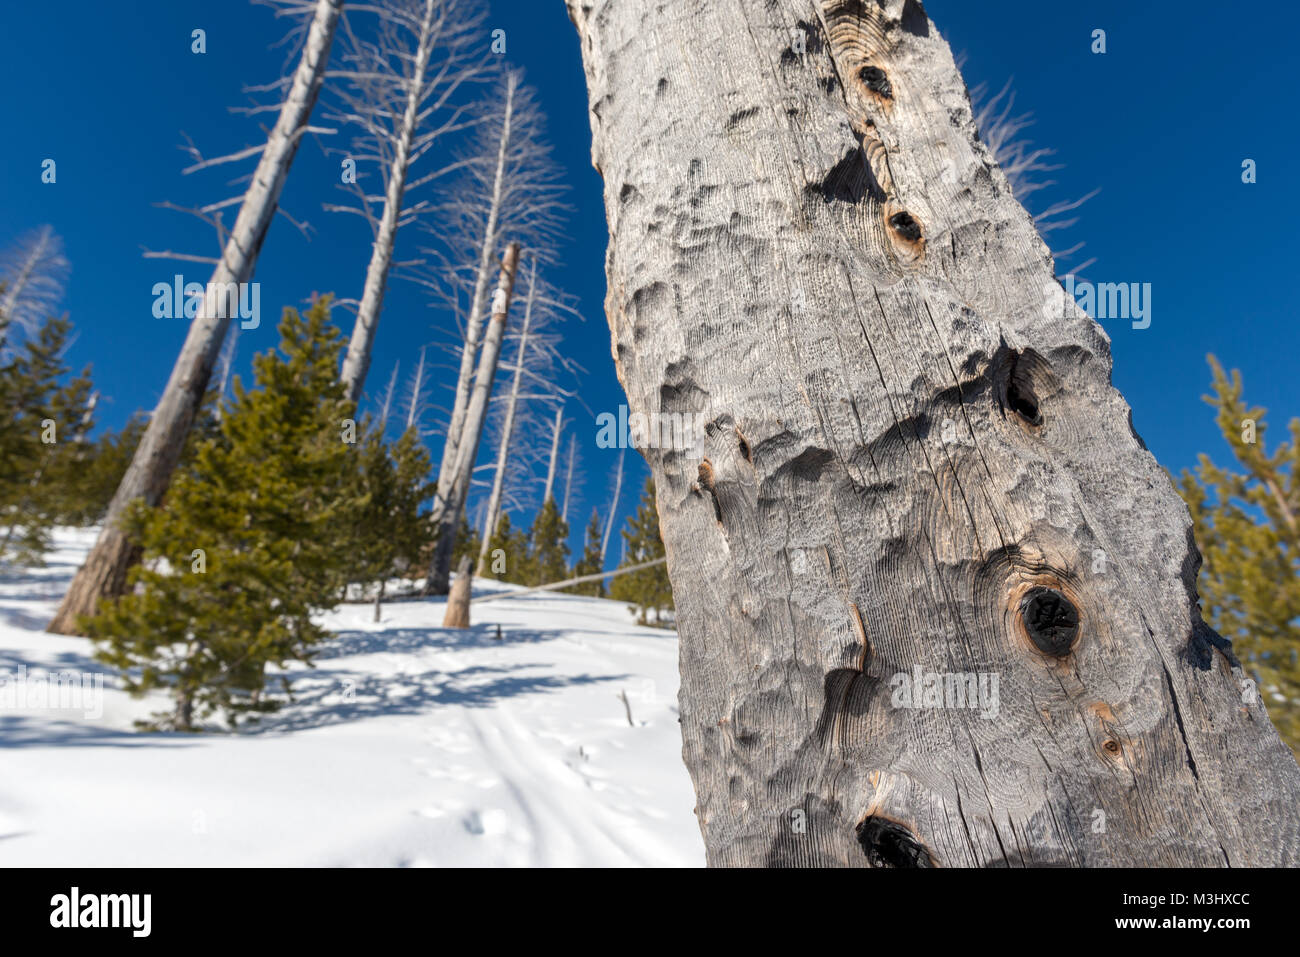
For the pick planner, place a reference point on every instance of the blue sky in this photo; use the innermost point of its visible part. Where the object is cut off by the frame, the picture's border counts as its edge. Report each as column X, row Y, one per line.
column 1160, row 124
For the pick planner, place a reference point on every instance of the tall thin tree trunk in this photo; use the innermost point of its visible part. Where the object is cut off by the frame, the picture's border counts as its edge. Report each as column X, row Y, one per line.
column 104, row 572
column 568, row 479
column 555, row 452
column 43, row 242
column 936, row 600
column 448, row 522
column 613, row 508
column 388, row 394
column 357, row 361
column 413, row 407
column 508, row 427
column 464, row 378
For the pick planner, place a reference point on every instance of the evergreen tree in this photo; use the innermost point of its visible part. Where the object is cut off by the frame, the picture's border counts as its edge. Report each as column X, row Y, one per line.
column 389, row 535
column 548, row 554
column 647, row 589
column 43, row 424
column 1247, row 526
column 250, row 540
column 590, row 563
column 92, row 476
column 510, row 546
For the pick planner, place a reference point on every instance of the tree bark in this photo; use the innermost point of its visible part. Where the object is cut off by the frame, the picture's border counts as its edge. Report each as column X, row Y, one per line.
column 507, row 427
column 914, row 464
column 448, row 521
column 457, row 613
column 105, row 568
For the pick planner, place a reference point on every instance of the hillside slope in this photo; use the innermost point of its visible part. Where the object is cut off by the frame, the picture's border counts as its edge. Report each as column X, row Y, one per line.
column 407, row 745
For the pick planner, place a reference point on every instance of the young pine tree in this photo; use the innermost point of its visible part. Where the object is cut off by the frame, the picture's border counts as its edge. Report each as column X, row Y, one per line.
column 508, row 558
column 1247, row 526
column 647, row 589
column 93, row 475
column 251, row 539
column 590, row 563
column 389, row 534
column 548, row 546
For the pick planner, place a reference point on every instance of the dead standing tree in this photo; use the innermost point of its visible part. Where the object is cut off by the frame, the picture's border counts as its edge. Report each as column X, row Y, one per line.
column 511, row 188
column 538, row 362
column 448, row 513
column 105, row 568
column 33, row 272
column 914, row 467
column 399, row 89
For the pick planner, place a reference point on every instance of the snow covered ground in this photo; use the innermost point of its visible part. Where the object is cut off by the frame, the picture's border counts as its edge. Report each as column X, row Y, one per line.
column 408, row 745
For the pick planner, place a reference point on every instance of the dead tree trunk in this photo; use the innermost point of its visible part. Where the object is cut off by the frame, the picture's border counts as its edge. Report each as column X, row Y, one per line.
column 104, row 572
column 555, row 454
column 568, row 479
column 356, row 364
column 453, row 508
column 457, row 612
column 936, row 600
column 507, row 427
column 613, row 508
column 465, row 375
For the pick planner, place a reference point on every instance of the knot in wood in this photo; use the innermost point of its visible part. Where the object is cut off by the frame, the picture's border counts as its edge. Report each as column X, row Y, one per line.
column 876, row 80
column 1051, row 621
column 906, row 226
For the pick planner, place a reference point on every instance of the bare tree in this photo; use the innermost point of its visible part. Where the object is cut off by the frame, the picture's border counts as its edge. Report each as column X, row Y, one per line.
column 613, row 507
column 104, row 572
column 225, row 363
column 511, row 411
column 386, row 406
column 511, row 188
column 33, row 272
column 538, row 361
column 417, row 396
column 556, row 431
column 399, row 86
column 448, row 513
column 936, row 600
column 568, row 478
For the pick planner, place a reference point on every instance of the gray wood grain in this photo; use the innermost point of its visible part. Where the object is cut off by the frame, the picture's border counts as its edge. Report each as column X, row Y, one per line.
column 909, row 431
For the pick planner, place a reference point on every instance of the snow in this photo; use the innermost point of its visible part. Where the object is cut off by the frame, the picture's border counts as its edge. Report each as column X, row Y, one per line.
column 408, row 745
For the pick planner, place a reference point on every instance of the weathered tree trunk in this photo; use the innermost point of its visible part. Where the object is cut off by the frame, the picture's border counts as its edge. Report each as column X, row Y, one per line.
column 104, row 572
column 915, row 465
column 568, row 479
column 508, row 426
column 416, row 399
column 457, row 613
column 613, row 508
column 448, row 521
column 357, row 361
column 473, row 322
